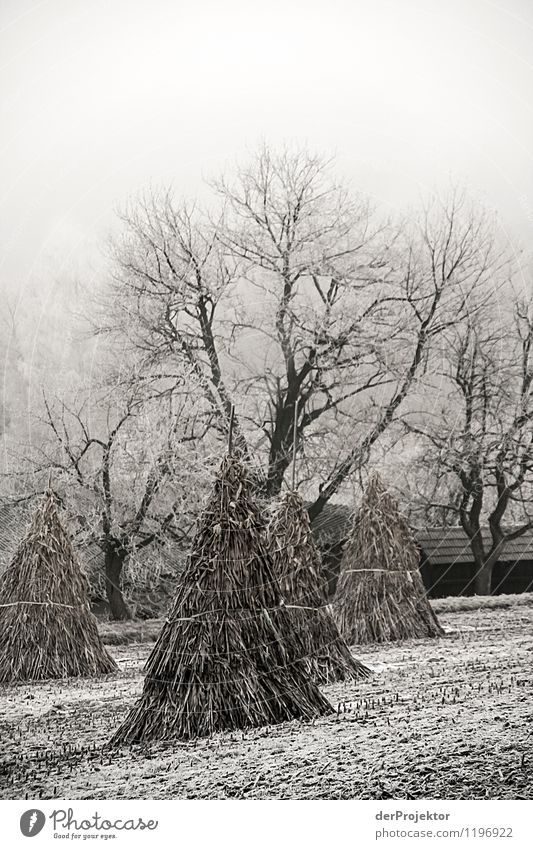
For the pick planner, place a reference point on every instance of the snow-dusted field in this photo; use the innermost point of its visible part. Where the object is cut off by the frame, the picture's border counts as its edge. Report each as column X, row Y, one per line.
column 449, row 718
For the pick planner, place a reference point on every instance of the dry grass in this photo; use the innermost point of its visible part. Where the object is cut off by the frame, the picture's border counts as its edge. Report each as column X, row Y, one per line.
column 46, row 627
column 298, row 567
column 380, row 594
column 227, row 656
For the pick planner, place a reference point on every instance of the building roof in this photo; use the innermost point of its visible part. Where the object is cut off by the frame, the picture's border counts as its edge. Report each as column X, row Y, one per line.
column 332, row 525
column 439, row 546
column 14, row 520
column 451, row 545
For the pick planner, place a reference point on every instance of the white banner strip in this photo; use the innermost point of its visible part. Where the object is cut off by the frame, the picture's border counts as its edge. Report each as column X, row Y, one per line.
column 250, row 824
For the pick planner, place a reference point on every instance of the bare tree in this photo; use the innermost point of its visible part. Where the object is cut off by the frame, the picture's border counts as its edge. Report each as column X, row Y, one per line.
column 121, row 461
column 295, row 300
column 170, row 279
column 312, row 277
column 479, row 433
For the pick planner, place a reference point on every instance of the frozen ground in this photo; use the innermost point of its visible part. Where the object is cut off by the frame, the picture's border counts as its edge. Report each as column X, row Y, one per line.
column 449, row 718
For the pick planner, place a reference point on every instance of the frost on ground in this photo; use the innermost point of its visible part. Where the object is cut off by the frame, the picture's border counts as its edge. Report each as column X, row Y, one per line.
column 448, row 718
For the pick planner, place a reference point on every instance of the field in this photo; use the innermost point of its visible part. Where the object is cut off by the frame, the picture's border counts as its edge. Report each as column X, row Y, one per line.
column 449, row 718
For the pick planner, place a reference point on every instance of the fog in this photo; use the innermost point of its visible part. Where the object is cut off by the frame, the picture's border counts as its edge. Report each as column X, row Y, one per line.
column 100, row 99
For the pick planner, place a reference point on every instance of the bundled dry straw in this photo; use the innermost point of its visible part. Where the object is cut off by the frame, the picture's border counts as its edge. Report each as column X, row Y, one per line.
column 226, row 657
column 46, row 627
column 380, row 595
column 297, row 563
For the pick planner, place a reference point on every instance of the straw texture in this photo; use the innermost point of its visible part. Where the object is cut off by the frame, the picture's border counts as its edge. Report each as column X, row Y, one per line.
column 46, row 627
column 227, row 656
column 380, row 594
column 297, row 565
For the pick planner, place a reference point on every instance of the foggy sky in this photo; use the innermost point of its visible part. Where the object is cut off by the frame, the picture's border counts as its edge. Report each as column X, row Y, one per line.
column 99, row 99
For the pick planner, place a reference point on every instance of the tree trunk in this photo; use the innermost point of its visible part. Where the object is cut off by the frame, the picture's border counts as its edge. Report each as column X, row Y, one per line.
column 483, row 562
column 276, row 474
column 114, row 563
column 483, row 578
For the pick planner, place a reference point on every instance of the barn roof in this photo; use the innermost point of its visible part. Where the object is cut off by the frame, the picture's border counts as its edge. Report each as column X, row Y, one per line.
column 14, row 520
column 15, row 517
column 439, row 545
column 333, row 524
column 450, row 545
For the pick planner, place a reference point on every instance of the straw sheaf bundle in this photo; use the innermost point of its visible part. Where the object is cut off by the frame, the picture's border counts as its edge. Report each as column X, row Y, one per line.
column 226, row 657
column 297, row 566
column 46, row 627
column 380, row 594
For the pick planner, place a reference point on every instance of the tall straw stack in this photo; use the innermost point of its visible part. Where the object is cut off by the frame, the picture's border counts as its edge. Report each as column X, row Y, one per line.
column 46, row 627
column 297, row 563
column 227, row 655
column 380, row 594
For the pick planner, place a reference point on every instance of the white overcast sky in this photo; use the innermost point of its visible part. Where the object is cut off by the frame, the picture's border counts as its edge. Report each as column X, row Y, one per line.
column 101, row 97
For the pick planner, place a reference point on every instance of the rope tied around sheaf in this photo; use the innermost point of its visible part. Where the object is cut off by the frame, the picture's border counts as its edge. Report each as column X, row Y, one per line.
column 209, row 613
column 44, row 603
column 191, row 618
column 389, row 571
